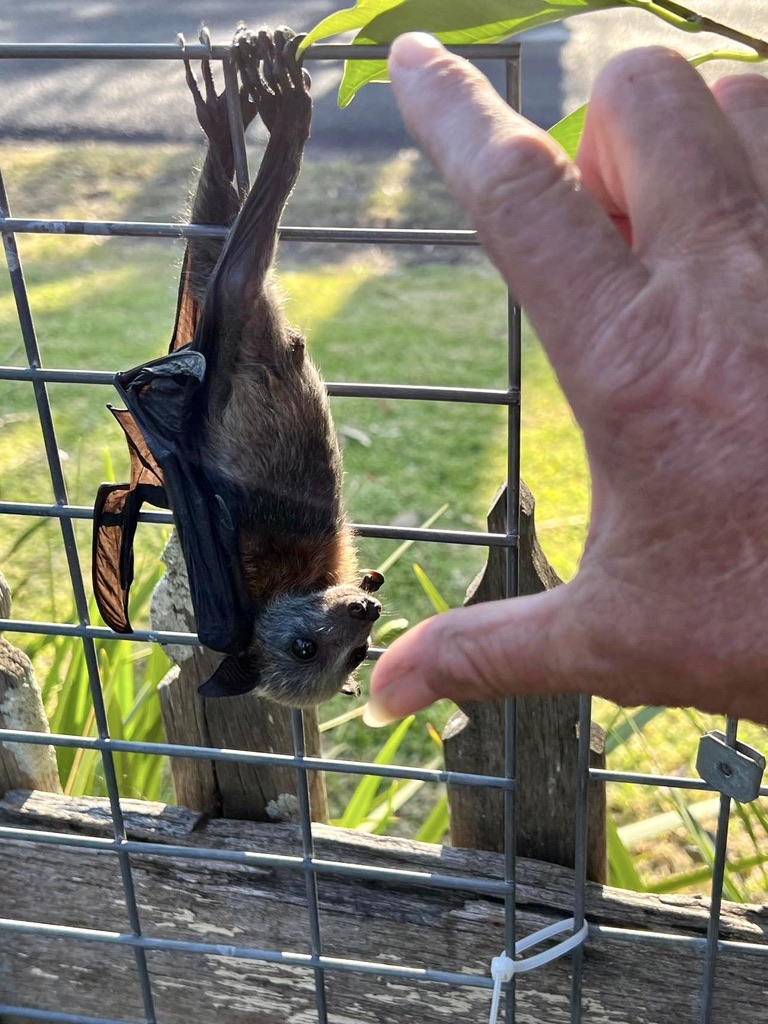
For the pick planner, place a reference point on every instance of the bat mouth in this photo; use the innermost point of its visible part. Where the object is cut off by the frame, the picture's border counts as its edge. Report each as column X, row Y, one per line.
column 358, row 655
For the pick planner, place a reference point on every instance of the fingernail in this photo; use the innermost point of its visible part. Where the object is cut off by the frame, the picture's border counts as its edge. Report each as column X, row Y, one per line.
column 414, row 49
column 374, row 715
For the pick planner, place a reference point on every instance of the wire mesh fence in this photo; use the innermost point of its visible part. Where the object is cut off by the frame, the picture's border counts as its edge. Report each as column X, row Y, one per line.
column 572, row 938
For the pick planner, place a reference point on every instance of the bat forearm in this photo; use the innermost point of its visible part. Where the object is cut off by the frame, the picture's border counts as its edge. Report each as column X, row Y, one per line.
column 251, row 246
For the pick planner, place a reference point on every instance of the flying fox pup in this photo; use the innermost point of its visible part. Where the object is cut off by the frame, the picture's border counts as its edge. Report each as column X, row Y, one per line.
column 232, row 429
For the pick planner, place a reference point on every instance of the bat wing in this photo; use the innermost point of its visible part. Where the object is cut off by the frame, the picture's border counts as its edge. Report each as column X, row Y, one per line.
column 187, row 309
column 233, row 677
column 164, row 397
column 115, row 517
column 117, row 506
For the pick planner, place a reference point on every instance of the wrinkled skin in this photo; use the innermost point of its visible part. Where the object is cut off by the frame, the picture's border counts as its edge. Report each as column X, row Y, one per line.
column 644, row 269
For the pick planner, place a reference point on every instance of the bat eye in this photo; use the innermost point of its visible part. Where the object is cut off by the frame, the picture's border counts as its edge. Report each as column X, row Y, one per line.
column 303, row 649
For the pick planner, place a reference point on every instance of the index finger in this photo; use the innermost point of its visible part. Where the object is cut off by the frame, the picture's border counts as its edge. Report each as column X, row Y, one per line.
column 549, row 237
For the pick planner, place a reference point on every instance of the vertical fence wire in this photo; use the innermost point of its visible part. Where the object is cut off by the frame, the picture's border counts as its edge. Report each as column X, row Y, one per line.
column 581, row 841
column 236, row 130
column 58, row 483
column 512, row 94
column 310, row 875
column 706, row 1006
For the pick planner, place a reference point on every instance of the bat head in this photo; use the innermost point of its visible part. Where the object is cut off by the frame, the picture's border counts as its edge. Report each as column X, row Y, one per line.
column 304, row 650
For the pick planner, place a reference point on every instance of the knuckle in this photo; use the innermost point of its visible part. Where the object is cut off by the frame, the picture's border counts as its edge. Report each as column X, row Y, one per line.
column 516, row 180
column 462, row 664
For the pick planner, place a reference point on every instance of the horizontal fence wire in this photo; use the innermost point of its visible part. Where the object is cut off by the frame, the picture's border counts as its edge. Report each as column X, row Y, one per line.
column 198, row 51
column 160, row 229
column 409, row 392
column 327, row 764
column 309, row 863
column 255, row 757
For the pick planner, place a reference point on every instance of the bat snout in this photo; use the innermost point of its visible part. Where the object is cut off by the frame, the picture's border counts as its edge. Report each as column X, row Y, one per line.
column 366, row 609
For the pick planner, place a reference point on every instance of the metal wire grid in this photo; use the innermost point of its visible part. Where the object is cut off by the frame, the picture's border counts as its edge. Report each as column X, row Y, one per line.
column 308, row 863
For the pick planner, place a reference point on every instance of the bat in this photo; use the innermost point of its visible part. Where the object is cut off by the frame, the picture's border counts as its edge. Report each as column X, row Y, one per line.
column 232, row 428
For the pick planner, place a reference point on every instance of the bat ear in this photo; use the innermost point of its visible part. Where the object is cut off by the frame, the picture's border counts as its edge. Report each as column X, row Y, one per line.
column 373, row 580
column 234, row 676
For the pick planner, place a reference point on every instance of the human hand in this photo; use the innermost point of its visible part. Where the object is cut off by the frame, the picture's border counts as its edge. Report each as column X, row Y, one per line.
column 644, row 270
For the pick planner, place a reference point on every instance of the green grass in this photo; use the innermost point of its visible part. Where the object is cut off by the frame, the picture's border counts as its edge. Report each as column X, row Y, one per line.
column 409, row 316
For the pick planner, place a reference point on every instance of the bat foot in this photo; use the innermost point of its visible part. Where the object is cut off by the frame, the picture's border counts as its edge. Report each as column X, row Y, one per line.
column 211, row 107
column 272, row 75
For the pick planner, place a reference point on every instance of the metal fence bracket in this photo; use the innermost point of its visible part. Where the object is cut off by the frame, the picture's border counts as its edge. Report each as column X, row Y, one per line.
column 735, row 771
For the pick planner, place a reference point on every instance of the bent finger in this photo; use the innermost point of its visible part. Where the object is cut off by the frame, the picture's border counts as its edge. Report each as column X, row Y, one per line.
column 658, row 150
column 744, row 99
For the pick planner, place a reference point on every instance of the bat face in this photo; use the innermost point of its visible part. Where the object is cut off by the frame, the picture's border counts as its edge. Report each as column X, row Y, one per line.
column 304, row 648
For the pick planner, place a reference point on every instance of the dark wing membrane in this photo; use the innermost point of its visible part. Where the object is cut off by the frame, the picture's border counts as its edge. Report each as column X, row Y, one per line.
column 117, row 506
column 115, row 518
column 164, row 397
column 233, row 677
column 187, row 309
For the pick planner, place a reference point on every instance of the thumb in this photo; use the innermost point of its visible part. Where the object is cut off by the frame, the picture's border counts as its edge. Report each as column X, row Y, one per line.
column 483, row 652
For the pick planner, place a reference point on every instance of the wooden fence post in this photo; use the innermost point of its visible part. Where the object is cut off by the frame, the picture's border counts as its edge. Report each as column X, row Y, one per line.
column 547, row 740
column 22, row 765
column 254, row 792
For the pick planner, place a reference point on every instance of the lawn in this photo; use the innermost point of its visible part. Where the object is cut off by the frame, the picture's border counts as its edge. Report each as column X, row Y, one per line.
column 410, row 315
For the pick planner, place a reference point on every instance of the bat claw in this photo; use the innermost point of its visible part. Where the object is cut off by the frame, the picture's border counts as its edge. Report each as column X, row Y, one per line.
column 299, row 76
column 271, row 72
column 204, row 35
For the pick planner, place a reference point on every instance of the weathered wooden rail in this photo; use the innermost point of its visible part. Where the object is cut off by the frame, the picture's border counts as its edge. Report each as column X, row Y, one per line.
column 627, row 980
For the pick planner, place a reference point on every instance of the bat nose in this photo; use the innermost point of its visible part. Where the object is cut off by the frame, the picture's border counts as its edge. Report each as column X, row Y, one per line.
column 367, row 610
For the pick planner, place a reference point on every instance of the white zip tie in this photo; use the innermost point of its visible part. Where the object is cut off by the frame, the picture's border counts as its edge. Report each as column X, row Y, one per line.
column 503, row 968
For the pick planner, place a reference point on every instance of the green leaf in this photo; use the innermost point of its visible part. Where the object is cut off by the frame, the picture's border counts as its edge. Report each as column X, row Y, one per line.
column 384, row 810
column 358, row 73
column 109, row 467
column 21, row 539
column 390, row 631
column 436, row 823
column 347, row 19
column 633, row 723
column 676, row 883
column 702, row 839
column 436, row 599
column 454, row 22
column 643, row 829
column 621, row 868
column 362, row 800
column 568, row 130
